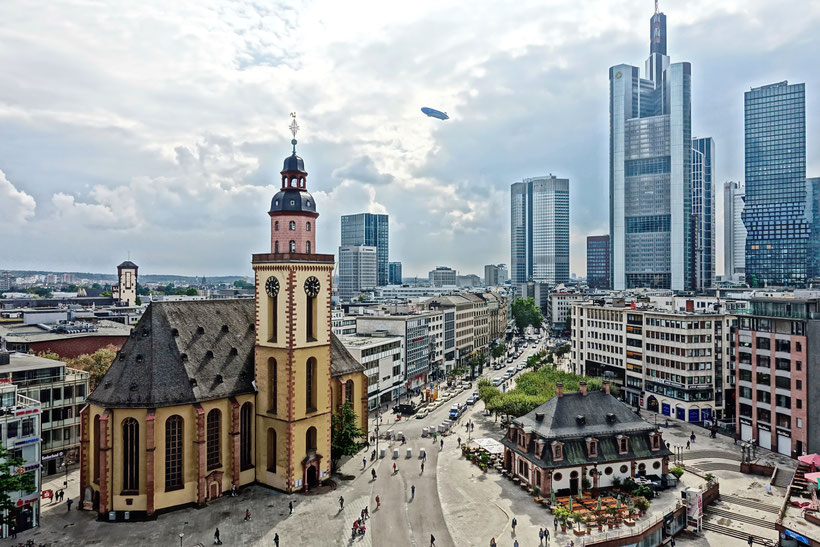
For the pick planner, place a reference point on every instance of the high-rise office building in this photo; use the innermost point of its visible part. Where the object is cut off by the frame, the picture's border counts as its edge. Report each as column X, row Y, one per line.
column 371, row 230
column 394, row 273
column 734, row 232
column 775, row 209
column 703, row 211
column 442, row 276
column 539, row 243
column 358, row 270
column 813, row 217
column 598, row 262
column 650, row 178
column 494, row 275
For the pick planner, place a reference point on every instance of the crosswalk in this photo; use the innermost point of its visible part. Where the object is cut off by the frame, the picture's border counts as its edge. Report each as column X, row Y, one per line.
column 352, row 511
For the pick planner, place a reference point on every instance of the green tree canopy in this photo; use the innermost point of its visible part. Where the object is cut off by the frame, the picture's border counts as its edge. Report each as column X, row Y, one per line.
column 344, row 434
column 498, row 350
column 95, row 364
column 242, row 284
column 526, row 313
column 12, row 481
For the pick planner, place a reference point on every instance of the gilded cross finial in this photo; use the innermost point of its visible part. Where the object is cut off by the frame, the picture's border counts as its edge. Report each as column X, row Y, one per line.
column 294, row 128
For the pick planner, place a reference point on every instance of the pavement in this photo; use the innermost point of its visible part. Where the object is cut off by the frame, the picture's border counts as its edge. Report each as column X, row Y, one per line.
column 454, row 500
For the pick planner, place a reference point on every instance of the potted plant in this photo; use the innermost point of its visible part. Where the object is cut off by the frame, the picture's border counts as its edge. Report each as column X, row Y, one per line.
column 642, row 504
column 586, row 484
column 710, row 479
column 616, row 483
column 577, row 518
column 611, row 520
column 536, row 491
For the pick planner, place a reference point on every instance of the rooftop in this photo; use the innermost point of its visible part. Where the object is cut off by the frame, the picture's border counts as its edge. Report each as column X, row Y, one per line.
column 17, row 332
column 363, row 341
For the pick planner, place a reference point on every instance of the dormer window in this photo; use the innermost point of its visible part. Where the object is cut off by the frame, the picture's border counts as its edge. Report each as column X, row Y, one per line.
column 557, row 451
column 656, row 441
column 592, row 447
column 623, row 444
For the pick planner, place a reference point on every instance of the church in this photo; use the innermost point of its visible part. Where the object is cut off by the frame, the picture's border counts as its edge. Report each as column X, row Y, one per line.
column 205, row 395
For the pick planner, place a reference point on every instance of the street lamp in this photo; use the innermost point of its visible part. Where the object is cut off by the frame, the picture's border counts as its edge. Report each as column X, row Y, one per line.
column 181, row 535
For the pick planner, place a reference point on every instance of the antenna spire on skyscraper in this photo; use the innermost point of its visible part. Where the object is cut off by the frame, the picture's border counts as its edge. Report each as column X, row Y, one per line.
column 656, row 7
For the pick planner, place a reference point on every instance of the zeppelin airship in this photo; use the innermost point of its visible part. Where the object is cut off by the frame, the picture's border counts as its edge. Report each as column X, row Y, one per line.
column 433, row 113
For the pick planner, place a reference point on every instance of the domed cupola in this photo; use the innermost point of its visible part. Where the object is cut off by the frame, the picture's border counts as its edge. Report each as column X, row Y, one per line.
column 292, row 209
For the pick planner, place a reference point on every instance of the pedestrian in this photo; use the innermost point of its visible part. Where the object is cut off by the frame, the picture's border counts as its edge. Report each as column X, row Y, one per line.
column 341, row 503
column 364, row 462
column 69, row 502
column 672, row 543
column 422, row 467
column 424, row 456
column 378, row 502
column 459, row 441
column 547, row 534
column 13, row 530
column 373, row 473
column 687, row 445
column 555, row 523
column 441, row 445
column 515, row 543
column 432, row 540
column 290, row 507
column 362, row 516
column 540, row 536
column 247, row 514
column 217, row 541
column 751, row 540
column 276, row 539
column 412, row 491
column 514, row 524
column 366, row 512
column 492, row 542
column 395, row 469
column 692, row 437
column 233, row 489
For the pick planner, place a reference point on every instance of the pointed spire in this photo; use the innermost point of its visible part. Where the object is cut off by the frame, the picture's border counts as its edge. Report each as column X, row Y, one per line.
column 656, row 7
column 294, row 127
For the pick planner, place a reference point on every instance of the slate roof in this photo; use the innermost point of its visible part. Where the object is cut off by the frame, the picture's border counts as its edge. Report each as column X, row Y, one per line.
column 128, row 264
column 560, row 417
column 191, row 351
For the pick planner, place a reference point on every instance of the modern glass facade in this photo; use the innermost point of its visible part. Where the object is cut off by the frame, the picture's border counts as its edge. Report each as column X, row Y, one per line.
column 703, row 212
column 371, row 230
column 357, row 270
column 539, row 244
column 775, row 209
column 813, row 216
column 598, row 262
column 734, row 232
column 394, row 275
column 650, row 171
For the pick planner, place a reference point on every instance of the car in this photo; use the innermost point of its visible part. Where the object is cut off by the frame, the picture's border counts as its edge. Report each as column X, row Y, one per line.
column 510, row 359
column 497, row 381
column 471, row 400
column 521, row 367
column 421, row 414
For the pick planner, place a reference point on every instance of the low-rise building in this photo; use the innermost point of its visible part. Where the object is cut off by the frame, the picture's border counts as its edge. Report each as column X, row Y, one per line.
column 20, row 434
column 382, row 356
column 67, row 340
column 442, row 276
column 60, row 392
column 559, row 306
column 777, row 348
column 578, row 437
column 415, row 330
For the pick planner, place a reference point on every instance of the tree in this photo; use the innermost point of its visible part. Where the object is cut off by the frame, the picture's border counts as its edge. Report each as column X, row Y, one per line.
column 568, row 323
column 476, row 361
column 344, row 434
column 96, row 286
column 106, row 293
column 143, row 291
column 168, row 289
column 242, row 284
column 526, row 313
column 95, row 364
column 190, row 291
column 138, row 301
column 498, row 351
column 12, row 480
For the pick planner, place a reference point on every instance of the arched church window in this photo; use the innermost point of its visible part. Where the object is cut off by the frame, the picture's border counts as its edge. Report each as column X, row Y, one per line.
column 274, row 384
column 276, row 225
column 307, row 247
column 292, row 225
column 310, row 438
column 213, row 438
column 173, row 453
column 272, row 450
column 349, row 391
column 292, row 246
column 310, row 384
column 245, row 447
column 97, row 449
column 130, row 455
column 276, row 247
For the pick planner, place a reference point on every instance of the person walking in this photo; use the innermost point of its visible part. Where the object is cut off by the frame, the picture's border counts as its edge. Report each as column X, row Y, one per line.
column 290, row 507
column 217, row 541
column 361, row 517
column 341, row 503
column 432, row 540
column 395, row 468
column 13, row 530
column 69, row 502
column 555, row 524
column 422, row 468
column 547, row 535
column 459, row 441
column 364, row 462
column 441, row 444
column 366, row 512
column 514, row 524
column 373, row 473
column 378, row 502
column 492, row 542
column 687, row 445
column 672, row 542
column 247, row 514
column 412, row 491
column 751, row 540
column 692, row 437
column 540, row 536
column 276, row 539
column 515, row 543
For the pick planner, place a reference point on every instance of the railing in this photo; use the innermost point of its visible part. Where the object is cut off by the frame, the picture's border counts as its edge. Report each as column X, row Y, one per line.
column 603, row 537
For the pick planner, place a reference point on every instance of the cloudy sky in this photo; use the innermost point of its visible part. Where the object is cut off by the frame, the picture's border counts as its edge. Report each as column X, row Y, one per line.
column 161, row 130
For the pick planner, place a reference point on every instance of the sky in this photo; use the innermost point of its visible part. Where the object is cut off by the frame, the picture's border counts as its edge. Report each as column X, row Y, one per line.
column 159, row 128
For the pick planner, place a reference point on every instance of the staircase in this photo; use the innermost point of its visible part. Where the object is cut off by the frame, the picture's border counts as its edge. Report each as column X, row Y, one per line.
column 800, row 486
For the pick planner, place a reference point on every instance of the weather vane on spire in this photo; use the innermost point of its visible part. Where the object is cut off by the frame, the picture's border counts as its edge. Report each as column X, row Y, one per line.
column 294, row 128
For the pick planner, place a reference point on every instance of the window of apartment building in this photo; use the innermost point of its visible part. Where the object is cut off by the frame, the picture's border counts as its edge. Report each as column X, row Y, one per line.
column 745, row 392
column 764, row 379
column 783, row 345
column 45, row 396
column 28, row 427
column 764, row 415
column 746, row 410
column 12, row 429
column 57, row 394
column 763, row 361
column 783, row 420
column 798, row 347
column 81, row 391
column 798, row 385
column 783, row 401
column 68, row 392
column 799, row 422
column 783, row 382
column 745, row 375
column 46, row 416
column 763, row 343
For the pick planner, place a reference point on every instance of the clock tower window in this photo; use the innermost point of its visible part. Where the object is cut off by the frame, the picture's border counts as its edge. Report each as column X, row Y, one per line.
column 292, row 246
column 273, row 385
column 310, row 385
column 276, row 247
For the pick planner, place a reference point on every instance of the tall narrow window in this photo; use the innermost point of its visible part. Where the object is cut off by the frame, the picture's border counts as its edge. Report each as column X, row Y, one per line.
column 276, row 226
column 310, row 319
column 272, row 450
column 173, row 453
column 245, row 446
column 307, row 247
column 96, row 449
column 274, row 384
column 349, row 391
column 310, row 385
column 310, row 438
column 213, row 438
column 307, row 226
column 292, row 225
column 275, row 246
column 292, row 246
column 130, row 455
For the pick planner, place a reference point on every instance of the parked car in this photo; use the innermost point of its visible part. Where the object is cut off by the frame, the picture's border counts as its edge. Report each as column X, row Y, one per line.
column 471, row 400
column 497, row 381
column 421, row 414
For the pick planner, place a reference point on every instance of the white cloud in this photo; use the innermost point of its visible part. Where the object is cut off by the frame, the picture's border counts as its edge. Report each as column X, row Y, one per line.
column 16, row 206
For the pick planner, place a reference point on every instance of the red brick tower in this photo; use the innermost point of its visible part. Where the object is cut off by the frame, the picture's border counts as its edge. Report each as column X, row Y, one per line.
column 292, row 210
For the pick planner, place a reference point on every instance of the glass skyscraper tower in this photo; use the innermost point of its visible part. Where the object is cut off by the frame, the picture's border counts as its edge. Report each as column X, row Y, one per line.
column 775, row 210
column 650, row 170
column 703, row 211
column 371, row 230
column 539, row 245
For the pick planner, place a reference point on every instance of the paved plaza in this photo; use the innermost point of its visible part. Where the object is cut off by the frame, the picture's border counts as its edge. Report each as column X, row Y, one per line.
column 454, row 501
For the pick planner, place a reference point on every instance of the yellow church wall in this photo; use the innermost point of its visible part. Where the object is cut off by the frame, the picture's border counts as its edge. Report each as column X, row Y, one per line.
column 279, row 478
column 138, row 502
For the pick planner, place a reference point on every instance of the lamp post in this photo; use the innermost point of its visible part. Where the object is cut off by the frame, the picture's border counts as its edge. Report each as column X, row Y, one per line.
column 181, row 535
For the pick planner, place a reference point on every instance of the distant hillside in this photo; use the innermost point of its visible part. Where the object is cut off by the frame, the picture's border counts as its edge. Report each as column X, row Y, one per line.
column 143, row 278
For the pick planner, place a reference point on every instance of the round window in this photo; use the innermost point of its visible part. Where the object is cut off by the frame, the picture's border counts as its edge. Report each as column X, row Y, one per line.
column 656, row 465
column 608, row 470
column 573, row 475
column 623, row 469
column 557, row 477
column 642, row 467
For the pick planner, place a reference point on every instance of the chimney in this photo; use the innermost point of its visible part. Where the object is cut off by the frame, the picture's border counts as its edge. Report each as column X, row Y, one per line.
column 583, row 385
column 539, row 416
column 606, row 386
column 559, row 388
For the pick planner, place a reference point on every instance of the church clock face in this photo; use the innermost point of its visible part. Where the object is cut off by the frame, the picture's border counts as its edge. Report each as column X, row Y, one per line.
column 272, row 287
column 312, row 286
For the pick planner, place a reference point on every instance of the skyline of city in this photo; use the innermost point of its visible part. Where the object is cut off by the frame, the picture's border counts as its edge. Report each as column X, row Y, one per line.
column 132, row 192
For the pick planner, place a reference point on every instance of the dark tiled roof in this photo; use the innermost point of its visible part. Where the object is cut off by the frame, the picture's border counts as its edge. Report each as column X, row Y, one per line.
column 128, row 264
column 184, row 352
column 560, row 417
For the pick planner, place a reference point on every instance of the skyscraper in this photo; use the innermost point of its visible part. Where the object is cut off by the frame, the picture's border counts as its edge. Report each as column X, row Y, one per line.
column 703, row 211
column 394, row 275
column 813, row 216
column 649, row 175
column 734, row 232
column 371, row 230
column 539, row 243
column 358, row 270
column 492, row 275
column 598, row 262
column 775, row 210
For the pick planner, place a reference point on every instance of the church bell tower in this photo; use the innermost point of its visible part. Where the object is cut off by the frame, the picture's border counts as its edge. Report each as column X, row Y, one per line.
column 292, row 348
